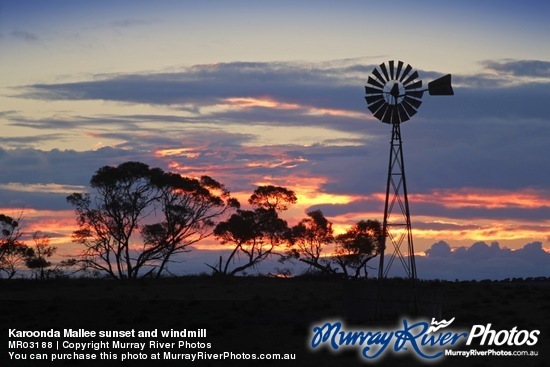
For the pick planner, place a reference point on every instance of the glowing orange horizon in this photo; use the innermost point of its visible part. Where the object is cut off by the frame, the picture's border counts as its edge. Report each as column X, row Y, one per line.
column 310, row 192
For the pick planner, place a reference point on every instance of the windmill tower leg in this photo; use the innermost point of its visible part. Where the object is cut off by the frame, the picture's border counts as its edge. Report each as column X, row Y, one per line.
column 397, row 223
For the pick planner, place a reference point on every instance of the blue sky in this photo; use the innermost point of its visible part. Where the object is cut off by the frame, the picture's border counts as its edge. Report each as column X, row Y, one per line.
column 272, row 92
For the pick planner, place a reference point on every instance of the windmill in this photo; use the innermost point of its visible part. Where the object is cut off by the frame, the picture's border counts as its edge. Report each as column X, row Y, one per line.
column 393, row 95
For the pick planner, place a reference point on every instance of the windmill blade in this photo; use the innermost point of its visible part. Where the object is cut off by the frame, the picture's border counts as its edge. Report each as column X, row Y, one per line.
column 377, row 105
column 395, row 119
column 391, row 69
column 385, row 71
column 378, row 75
column 408, row 69
column 375, row 82
column 403, row 115
column 414, row 85
column 414, row 102
column 411, row 111
column 380, row 113
column 375, row 98
column 370, row 90
column 387, row 118
column 411, row 78
column 392, row 115
column 399, row 67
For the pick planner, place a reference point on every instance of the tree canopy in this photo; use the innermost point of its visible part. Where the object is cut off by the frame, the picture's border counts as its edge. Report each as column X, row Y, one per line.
column 12, row 250
column 255, row 233
column 309, row 238
column 357, row 246
column 139, row 217
column 272, row 197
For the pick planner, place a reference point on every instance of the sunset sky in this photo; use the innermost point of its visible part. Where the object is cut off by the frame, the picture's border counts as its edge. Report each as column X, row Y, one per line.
column 272, row 92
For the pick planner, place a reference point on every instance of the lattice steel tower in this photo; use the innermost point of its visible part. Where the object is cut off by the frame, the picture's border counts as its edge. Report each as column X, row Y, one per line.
column 393, row 95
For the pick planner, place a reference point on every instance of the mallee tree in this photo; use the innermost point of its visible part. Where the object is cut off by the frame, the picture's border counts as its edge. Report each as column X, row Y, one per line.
column 13, row 251
column 308, row 239
column 254, row 234
column 137, row 218
column 357, row 246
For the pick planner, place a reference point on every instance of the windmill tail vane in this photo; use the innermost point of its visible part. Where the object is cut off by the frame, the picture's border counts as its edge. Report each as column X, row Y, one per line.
column 441, row 86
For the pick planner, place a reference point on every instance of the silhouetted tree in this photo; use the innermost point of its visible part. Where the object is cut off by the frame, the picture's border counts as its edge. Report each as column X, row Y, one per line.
column 254, row 233
column 357, row 246
column 189, row 207
column 272, row 197
column 308, row 238
column 37, row 257
column 140, row 217
column 13, row 251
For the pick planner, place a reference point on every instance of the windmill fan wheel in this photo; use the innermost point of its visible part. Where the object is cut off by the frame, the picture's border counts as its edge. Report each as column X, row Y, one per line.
column 392, row 92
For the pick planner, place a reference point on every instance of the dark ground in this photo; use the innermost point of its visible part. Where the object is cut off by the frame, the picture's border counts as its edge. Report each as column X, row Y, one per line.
column 256, row 315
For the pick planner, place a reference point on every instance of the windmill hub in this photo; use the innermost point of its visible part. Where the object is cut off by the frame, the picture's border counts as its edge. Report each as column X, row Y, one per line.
column 394, row 96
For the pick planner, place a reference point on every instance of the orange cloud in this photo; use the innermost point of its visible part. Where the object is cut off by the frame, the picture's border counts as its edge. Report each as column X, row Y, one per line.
column 178, row 152
column 488, row 231
column 51, row 188
column 269, row 102
column 336, row 112
column 195, row 172
column 57, row 224
column 490, row 199
column 309, row 190
column 250, row 102
column 282, row 162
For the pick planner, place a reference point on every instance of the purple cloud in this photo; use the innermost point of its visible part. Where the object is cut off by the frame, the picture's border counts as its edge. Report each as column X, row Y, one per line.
column 483, row 261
